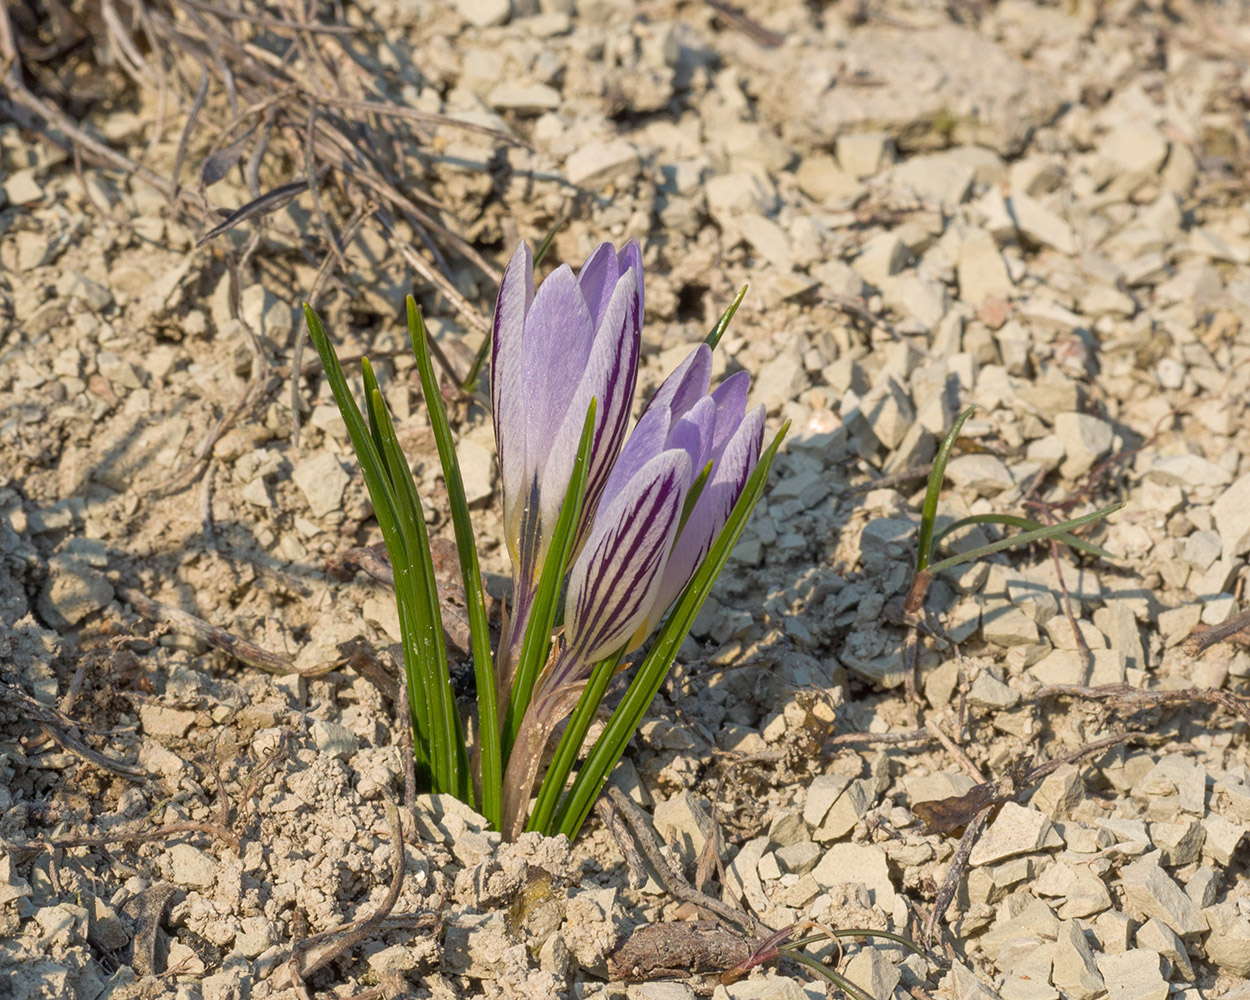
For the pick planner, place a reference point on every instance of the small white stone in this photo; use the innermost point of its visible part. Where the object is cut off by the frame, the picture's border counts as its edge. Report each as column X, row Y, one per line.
column 322, row 480
column 599, row 162
column 1134, row 975
column 484, row 13
column 1041, row 225
column 1016, row 830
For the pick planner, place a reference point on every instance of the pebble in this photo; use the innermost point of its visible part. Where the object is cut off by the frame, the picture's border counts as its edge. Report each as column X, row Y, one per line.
column 862, row 154
column 986, row 475
column 857, row 863
column 1158, row 937
column 871, row 971
column 1133, row 975
column 683, row 819
column 322, row 480
column 189, row 866
column 484, row 13
column 162, row 722
column 1151, row 893
column 982, row 273
column 1228, row 944
column 767, row 238
column 1085, row 440
column 1187, row 471
column 882, row 257
column 332, row 739
column 72, row 591
column 1231, row 512
column 1040, row 225
column 533, row 98
column 768, row 987
column 600, row 161
column 1016, row 830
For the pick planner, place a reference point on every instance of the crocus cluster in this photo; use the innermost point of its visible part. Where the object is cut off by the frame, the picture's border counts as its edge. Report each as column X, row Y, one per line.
column 654, row 503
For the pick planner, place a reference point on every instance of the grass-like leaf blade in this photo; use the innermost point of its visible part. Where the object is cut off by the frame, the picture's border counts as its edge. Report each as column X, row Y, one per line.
column 475, row 601
column 928, row 514
column 451, row 773
column 1013, row 521
column 722, row 324
column 377, row 481
column 1028, row 537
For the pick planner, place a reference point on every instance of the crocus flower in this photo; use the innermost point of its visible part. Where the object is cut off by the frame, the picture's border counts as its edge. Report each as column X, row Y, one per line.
column 635, row 561
column 576, row 339
column 639, row 555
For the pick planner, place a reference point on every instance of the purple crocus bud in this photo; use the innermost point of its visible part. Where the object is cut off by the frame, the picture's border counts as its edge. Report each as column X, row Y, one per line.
column 576, row 339
column 629, row 573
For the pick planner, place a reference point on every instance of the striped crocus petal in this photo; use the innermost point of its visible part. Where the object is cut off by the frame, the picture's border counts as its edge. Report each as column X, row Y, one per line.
column 609, row 375
column 615, row 580
column 737, row 458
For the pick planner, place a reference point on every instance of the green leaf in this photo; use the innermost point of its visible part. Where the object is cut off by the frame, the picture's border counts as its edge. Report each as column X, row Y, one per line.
column 475, row 601
column 1039, row 534
column 628, row 715
column 426, row 652
column 534, row 647
column 1011, row 520
column 929, row 513
column 378, row 482
column 722, row 324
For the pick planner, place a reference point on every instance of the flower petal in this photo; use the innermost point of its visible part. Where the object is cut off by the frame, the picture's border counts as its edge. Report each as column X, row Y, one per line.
column 712, row 509
column 557, row 343
column 516, row 294
column 630, row 258
column 615, row 580
column 646, row 441
column 610, row 374
column 687, row 384
column 597, row 279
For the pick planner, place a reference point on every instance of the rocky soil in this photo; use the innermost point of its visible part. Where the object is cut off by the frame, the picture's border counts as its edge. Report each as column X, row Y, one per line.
column 1036, row 209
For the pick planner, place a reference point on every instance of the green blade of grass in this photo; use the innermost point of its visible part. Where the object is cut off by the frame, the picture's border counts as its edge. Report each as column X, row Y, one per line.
column 1028, row 537
column 371, row 386
column 570, row 744
column 533, row 653
column 475, row 601
column 722, row 324
column 625, row 720
column 377, row 481
column 428, row 651
column 1011, row 520
column 929, row 513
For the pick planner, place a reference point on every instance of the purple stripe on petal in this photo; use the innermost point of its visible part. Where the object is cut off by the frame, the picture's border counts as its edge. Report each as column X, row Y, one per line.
column 712, row 509
column 609, row 375
column 614, row 581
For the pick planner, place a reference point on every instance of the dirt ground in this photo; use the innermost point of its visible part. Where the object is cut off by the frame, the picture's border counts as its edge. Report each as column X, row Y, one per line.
column 1043, row 779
